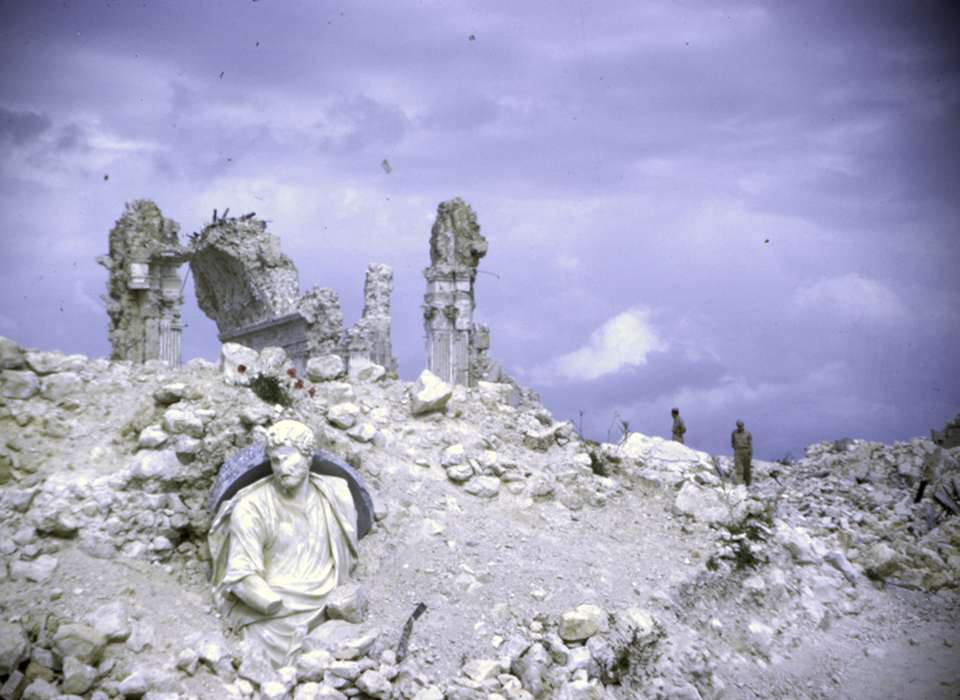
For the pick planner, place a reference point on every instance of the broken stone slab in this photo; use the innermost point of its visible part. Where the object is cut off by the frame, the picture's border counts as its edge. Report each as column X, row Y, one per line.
column 374, row 684
column 702, row 503
column 151, row 437
column 170, row 393
column 343, row 639
column 12, row 356
column 182, row 421
column 78, row 677
column 38, row 570
column 18, row 384
column 14, row 646
column 365, row 371
column 362, row 432
column 325, row 368
column 57, row 387
column 796, row 540
column 80, row 641
column 273, row 361
column 112, row 620
column 460, row 473
column 429, row 393
column 161, row 465
column 482, row 486
column 343, row 415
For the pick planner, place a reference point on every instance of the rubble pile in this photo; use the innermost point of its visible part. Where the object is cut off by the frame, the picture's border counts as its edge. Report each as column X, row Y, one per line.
column 551, row 567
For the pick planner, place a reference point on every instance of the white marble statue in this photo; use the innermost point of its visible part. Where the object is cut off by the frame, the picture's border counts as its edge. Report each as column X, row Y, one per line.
column 281, row 545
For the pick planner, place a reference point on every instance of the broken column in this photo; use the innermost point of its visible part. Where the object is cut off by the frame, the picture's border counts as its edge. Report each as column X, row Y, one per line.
column 251, row 290
column 456, row 248
column 144, row 296
column 369, row 338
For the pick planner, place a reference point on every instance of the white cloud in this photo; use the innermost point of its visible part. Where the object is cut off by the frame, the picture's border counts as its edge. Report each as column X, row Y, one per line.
column 851, row 296
column 622, row 341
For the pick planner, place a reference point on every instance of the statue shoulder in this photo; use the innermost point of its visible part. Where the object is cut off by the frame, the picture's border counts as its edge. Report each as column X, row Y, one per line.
column 338, row 486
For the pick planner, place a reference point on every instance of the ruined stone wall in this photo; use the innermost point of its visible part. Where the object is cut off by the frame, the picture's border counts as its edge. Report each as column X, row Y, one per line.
column 369, row 338
column 144, row 298
column 241, row 276
column 320, row 308
column 456, row 247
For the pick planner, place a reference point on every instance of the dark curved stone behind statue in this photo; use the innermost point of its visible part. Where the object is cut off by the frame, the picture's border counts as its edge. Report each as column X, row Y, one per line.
column 251, row 464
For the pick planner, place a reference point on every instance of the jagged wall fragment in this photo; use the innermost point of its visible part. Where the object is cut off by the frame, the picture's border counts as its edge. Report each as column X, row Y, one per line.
column 320, row 309
column 456, row 247
column 144, row 296
column 369, row 338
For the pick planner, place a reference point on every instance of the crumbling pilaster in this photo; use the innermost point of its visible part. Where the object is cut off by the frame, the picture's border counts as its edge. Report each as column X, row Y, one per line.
column 144, row 296
column 456, row 247
column 369, row 338
column 320, row 308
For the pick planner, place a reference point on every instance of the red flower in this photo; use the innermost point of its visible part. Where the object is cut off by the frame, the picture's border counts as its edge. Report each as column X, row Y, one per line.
column 241, row 368
column 291, row 373
column 312, row 392
column 299, row 384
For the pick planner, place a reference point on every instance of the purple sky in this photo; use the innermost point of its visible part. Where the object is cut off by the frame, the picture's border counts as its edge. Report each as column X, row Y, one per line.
column 748, row 210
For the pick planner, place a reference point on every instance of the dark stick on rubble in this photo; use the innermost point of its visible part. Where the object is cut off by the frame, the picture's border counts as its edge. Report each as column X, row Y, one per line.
column 214, row 216
column 919, row 496
column 247, row 217
column 225, row 212
column 407, row 629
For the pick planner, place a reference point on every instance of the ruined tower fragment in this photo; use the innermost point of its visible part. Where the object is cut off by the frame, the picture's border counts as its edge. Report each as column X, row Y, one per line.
column 369, row 338
column 144, row 296
column 453, row 340
column 251, row 290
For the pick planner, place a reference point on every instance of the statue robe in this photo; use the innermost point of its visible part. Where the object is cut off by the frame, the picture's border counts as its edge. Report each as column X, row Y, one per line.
column 302, row 552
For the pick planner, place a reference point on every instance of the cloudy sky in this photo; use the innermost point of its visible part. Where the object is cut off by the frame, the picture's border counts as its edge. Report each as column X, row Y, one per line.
column 745, row 209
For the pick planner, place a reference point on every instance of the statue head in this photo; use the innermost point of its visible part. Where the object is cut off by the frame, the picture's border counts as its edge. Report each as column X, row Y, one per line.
column 290, row 446
column 739, row 425
column 675, row 411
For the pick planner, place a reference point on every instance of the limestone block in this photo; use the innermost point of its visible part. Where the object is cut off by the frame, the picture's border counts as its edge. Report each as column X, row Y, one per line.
column 704, row 504
column 325, row 368
column 453, row 455
column 257, row 414
column 273, row 361
column 162, row 465
column 343, row 415
column 239, row 364
column 177, row 421
column 170, row 393
column 882, row 560
column 430, row 692
column 81, row 641
column 460, row 473
column 541, row 439
column 11, row 354
column 78, row 677
column 481, row 669
column 18, row 384
column 13, row 646
column 582, row 622
column 364, row 370
column 429, row 393
column 641, row 623
column 315, row 691
column 111, row 620
column 362, row 432
column 343, row 639
column 798, row 542
column 760, row 637
column 40, row 689
column 312, row 665
column 57, row 387
column 483, row 486
column 374, row 684
column 151, row 437
column 581, row 690
column 38, row 570
column 540, row 486
column 532, row 667
column 44, row 362
column 135, row 684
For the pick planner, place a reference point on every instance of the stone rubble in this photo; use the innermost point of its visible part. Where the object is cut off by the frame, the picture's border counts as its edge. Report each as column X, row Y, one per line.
column 806, row 546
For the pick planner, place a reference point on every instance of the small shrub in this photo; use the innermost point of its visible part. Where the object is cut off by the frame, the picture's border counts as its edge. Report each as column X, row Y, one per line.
column 270, row 390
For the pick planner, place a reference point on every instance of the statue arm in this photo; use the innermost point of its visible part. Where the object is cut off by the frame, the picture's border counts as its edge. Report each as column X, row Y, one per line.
column 256, row 593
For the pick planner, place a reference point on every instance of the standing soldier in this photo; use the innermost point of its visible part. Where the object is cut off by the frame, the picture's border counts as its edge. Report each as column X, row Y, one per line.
column 678, row 427
column 742, row 442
